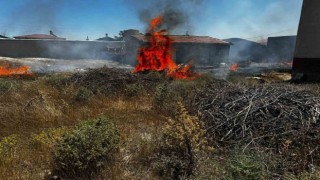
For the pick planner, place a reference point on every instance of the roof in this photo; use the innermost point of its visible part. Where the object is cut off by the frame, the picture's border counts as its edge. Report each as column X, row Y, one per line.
column 3, row 37
column 39, row 36
column 242, row 41
column 185, row 39
column 238, row 39
column 106, row 39
column 283, row 37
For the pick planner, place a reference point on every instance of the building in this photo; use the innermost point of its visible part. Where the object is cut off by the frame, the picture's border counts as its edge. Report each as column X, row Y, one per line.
column 106, row 38
column 281, row 48
column 51, row 36
column 3, row 37
column 306, row 63
column 201, row 50
column 245, row 50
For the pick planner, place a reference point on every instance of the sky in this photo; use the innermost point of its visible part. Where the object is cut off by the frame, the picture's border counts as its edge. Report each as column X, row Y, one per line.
column 77, row 19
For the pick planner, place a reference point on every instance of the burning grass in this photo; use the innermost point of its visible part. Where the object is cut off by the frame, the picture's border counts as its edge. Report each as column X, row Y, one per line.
column 270, row 130
column 157, row 56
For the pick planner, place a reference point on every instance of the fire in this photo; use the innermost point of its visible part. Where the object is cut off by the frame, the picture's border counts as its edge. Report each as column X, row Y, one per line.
column 234, row 67
column 8, row 71
column 158, row 55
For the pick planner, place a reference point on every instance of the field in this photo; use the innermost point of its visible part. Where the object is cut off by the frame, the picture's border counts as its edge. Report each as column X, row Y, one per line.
column 111, row 124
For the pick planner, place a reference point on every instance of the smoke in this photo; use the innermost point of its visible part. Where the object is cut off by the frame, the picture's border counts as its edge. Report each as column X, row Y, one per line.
column 178, row 15
column 249, row 20
column 48, row 65
column 244, row 50
column 35, row 15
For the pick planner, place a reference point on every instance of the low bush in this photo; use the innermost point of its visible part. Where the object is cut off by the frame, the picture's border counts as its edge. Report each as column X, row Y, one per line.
column 168, row 94
column 165, row 99
column 180, row 147
column 84, row 151
column 83, row 94
column 133, row 90
column 247, row 167
column 8, row 146
column 48, row 138
column 56, row 80
column 5, row 86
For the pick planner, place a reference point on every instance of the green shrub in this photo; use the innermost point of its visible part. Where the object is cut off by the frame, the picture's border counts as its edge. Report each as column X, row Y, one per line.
column 181, row 146
column 83, row 94
column 167, row 95
column 8, row 146
column 247, row 167
column 89, row 147
column 5, row 86
column 56, row 80
column 165, row 99
column 133, row 90
column 211, row 168
column 312, row 174
column 47, row 138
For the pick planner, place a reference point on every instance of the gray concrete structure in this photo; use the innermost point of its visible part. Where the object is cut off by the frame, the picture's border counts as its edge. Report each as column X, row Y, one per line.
column 281, row 48
column 307, row 53
column 201, row 50
column 60, row 49
column 245, row 50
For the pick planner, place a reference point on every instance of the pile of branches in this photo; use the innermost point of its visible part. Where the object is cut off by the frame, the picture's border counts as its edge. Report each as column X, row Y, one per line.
column 277, row 118
column 108, row 80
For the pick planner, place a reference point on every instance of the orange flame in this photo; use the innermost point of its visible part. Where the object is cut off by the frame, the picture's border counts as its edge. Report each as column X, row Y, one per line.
column 158, row 55
column 9, row 71
column 234, row 67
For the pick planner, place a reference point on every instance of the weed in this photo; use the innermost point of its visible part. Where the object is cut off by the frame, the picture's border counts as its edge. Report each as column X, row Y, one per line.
column 8, row 146
column 49, row 137
column 247, row 167
column 182, row 142
column 83, row 94
column 5, row 86
column 133, row 90
column 83, row 152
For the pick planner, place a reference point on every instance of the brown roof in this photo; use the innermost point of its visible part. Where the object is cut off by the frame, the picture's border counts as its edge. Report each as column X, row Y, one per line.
column 185, row 39
column 39, row 36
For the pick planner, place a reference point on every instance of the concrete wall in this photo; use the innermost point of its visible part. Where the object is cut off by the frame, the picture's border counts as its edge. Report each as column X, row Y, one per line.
column 308, row 39
column 243, row 50
column 57, row 48
column 307, row 53
column 281, row 48
column 199, row 53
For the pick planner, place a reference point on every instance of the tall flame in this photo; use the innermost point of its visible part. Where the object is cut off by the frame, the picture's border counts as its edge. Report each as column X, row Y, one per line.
column 158, row 55
column 8, row 71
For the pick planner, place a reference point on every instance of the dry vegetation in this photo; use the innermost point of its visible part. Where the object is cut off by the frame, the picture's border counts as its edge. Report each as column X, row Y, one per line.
column 200, row 129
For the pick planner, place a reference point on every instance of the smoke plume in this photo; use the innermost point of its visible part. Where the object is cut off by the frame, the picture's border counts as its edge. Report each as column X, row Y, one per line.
column 178, row 15
column 276, row 18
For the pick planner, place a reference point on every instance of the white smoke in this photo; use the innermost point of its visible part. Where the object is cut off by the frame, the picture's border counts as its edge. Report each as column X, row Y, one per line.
column 243, row 19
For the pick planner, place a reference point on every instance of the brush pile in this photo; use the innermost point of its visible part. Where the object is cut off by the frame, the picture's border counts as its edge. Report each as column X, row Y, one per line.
column 277, row 118
column 109, row 80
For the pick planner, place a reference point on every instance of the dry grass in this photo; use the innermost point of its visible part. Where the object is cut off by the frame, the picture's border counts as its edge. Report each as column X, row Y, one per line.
column 33, row 106
column 29, row 107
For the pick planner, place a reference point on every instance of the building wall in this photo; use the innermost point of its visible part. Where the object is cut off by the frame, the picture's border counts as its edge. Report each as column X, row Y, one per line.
column 281, row 48
column 56, row 48
column 199, row 53
column 307, row 52
column 131, row 50
column 244, row 50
